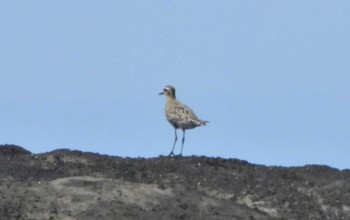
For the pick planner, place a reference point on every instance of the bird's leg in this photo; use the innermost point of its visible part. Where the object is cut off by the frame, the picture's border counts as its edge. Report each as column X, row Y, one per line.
column 183, row 141
column 172, row 151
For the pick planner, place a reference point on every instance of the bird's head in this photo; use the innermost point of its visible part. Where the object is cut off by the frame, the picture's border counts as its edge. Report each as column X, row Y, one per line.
column 168, row 91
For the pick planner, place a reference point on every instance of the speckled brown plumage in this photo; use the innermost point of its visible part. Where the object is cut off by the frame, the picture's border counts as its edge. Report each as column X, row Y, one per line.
column 179, row 115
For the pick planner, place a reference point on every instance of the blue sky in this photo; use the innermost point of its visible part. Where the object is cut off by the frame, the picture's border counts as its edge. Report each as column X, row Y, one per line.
column 272, row 77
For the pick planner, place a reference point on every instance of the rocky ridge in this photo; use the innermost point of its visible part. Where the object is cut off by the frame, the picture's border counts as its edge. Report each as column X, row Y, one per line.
column 68, row 184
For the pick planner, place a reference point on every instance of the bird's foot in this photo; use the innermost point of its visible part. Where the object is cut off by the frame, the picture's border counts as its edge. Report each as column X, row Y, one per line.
column 174, row 155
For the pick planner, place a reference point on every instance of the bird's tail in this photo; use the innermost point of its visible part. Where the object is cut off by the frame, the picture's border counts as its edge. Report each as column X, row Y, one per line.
column 203, row 122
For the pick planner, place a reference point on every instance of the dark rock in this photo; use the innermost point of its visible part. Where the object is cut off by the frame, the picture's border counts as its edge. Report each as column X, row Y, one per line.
column 66, row 184
column 12, row 150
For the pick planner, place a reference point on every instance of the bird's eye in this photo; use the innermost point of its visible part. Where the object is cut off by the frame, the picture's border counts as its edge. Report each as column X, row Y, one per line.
column 164, row 90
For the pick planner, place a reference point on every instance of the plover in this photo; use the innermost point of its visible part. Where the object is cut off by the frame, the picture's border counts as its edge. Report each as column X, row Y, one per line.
column 179, row 115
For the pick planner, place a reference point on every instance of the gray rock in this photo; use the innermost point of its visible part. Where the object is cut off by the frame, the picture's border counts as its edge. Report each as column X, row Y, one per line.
column 65, row 184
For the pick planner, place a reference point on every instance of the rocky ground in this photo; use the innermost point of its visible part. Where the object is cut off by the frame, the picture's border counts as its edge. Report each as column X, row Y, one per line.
column 66, row 184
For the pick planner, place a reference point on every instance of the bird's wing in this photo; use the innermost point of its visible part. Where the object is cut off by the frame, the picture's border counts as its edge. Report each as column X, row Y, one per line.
column 186, row 113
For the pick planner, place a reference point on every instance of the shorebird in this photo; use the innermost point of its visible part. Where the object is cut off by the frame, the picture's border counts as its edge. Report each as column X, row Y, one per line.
column 179, row 115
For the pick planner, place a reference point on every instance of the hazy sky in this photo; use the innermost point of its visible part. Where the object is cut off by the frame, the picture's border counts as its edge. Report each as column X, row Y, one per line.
column 272, row 77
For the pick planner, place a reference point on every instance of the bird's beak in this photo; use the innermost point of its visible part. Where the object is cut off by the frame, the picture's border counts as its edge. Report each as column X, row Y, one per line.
column 162, row 93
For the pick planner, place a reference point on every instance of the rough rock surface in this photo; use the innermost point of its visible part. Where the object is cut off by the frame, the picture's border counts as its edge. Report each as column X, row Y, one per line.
column 66, row 184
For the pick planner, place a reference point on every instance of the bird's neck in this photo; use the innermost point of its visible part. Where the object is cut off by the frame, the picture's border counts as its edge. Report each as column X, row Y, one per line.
column 170, row 98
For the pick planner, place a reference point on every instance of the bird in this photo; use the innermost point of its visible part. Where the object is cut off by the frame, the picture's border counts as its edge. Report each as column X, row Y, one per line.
column 179, row 115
